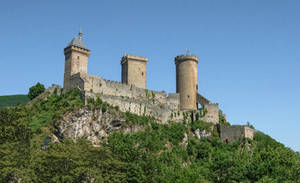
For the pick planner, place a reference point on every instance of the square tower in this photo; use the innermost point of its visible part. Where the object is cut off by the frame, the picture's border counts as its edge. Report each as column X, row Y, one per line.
column 134, row 70
column 76, row 59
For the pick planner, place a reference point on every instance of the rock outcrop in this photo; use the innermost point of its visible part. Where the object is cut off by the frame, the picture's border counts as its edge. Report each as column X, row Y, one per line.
column 92, row 124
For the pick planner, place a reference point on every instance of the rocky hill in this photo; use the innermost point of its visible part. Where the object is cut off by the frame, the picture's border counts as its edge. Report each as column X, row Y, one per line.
column 59, row 139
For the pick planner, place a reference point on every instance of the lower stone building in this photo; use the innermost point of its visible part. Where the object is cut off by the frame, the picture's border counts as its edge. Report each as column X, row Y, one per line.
column 235, row 133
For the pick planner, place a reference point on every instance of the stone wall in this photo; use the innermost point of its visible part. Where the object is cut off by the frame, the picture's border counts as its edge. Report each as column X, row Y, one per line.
column 202, row 100
column 138, row 100
column 235, row 133
column 139, row 107
column 95, row 84
column 249, row 132
column 134, row 70
column 127, row 97
column 212, row 114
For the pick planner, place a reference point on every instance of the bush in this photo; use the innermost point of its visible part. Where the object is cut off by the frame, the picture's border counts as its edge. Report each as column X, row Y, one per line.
column 36, row 90
column 200, row 125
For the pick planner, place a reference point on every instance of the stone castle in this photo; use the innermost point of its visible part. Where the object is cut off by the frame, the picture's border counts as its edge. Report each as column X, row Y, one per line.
column 131, row 94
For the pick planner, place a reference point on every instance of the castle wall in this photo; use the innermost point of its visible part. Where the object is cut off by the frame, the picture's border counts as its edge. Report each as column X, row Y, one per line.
column 76, row 82
column 106, row 87
column 249, row 132
column 127, row 97
column 137, row 100
column 212, row 114
column 202, row 100
column 139, row 107
column 235, row 132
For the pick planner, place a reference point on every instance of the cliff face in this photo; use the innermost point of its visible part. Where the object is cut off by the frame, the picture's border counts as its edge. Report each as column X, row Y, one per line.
column 92, row 124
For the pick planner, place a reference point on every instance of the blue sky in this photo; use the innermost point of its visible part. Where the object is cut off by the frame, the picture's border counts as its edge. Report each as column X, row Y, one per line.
column 248, row 50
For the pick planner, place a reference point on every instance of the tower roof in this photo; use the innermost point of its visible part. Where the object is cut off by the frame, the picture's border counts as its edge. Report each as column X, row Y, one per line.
column 77, row 41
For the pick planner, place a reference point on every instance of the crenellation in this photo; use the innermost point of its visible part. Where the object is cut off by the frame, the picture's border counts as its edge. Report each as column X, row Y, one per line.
column 186, row 57
column 138, row 58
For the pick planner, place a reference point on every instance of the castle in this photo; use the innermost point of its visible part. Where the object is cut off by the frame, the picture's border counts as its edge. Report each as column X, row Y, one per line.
column 131, row 94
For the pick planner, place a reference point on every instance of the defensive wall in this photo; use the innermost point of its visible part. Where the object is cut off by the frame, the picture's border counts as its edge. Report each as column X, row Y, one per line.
column 140, row 101
column 235, row 133
column 128, row 97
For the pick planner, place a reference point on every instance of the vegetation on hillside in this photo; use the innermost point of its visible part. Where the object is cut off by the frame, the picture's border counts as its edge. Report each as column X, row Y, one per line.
column 155, row 154
column 36, row 90
column 13, row 100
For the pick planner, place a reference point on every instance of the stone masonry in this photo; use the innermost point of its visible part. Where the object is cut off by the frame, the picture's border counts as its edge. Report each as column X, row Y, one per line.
column 235, row 132
column 187, row 80
column 76, row 59
column 134, row 70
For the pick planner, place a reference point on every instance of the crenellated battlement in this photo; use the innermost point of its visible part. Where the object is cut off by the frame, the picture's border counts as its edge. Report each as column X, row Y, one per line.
column 181, row 58
column 126, row 57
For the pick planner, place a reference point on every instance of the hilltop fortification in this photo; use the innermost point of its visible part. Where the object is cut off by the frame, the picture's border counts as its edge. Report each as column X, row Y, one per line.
column 131, row 93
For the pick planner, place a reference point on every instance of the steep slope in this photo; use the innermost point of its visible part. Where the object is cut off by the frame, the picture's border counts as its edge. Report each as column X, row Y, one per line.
column 58, row 139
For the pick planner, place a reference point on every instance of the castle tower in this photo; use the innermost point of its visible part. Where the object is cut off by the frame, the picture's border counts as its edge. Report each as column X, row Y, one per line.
column 187, row 81
column 134, row 70
column 76, row 59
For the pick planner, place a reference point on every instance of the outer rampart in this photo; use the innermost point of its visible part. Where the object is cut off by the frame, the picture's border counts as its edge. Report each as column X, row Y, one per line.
column 128, row 97
column 140, row 101
column 235, row 133
column 212, row 114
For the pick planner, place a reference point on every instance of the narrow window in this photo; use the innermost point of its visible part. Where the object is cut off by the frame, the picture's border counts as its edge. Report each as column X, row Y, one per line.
column 142, row 73
column 78, row 57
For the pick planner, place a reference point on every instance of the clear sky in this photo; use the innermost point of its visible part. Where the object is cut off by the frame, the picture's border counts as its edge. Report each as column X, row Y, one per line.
column 249, row 50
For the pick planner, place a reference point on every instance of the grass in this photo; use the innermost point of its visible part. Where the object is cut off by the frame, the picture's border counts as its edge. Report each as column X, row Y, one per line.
column 12, row 100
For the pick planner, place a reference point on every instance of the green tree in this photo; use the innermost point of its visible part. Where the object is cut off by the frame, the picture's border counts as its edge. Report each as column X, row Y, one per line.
column 36, row 90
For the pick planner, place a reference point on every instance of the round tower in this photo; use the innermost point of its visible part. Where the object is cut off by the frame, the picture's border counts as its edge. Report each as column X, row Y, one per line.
column 187, row 81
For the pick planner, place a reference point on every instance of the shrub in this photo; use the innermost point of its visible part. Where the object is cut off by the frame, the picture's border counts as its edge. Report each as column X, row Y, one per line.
column 36, row 90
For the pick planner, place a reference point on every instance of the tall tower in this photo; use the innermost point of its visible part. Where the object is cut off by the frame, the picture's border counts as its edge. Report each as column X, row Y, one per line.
column 187, row 81
column 134, row 70
column 76, row 59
